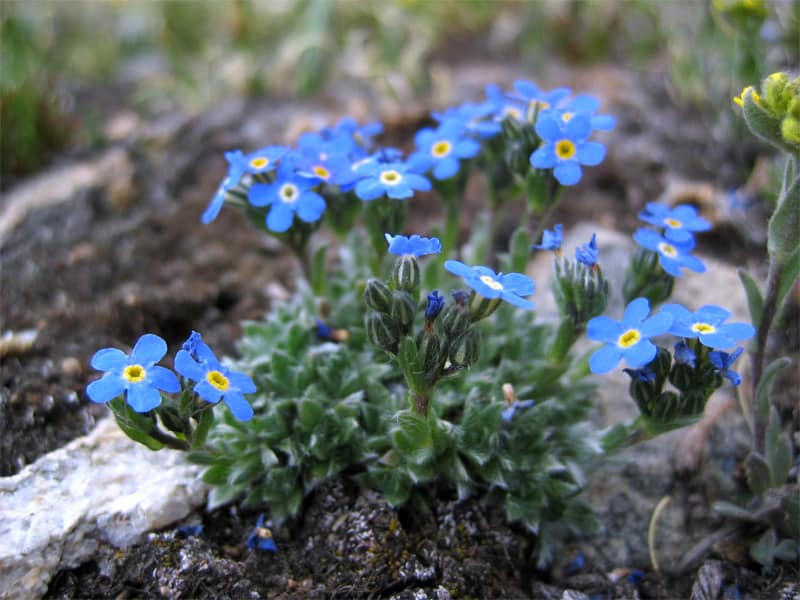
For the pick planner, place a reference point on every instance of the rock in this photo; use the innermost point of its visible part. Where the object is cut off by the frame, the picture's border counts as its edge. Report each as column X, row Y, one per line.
column 100, row 489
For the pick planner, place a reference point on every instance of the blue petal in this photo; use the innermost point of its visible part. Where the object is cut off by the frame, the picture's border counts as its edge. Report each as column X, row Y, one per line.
column 242, row 382
column 310, row 206
column 670, row 265
column 149, row 349
column 635, row 312
column 591, row 153
column 163, row 379
column 693, row 263
column 679, row 236
column 143, row 397
column 711, row 313
column 647, row 238
column 240, row 408
column 208, row 392
column 605, row 359
column 186, row 366
column 681, row 313
column 458, row 268
column 417, row 182
column 548, row 128
column 716, row 340
column 369, row 189
column 527, row 89
column 420, row 161
column 640, row 353
column 210, row 213
column 738, row 331
column 262, row 194
column 106, row 388
column 656, row 325
column 584, row 103
column 603, row 329
column 516, row 300
column 519, row 284
column 543, row 157
column 578, row 127
column 401, row 191
column 603, row 122
column 567, row 172
column 466, row 148
column 425, row 138
column 445, row 168
column 481, row 288
column 109, row 358
column 280, row 217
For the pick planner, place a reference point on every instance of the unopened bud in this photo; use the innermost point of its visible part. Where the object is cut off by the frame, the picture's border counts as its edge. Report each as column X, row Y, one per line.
column 405, row 273
column 402, row 309
column 381, row 331
column 377, row 295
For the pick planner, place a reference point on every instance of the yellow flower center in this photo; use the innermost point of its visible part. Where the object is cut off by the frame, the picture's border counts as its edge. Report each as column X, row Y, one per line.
column 263, row 533
column 288, row 192
column 218, row 380
column 674, row 223
column 565, row 149
column 259, row 162
column 134, row 373
column 441, row 149
column 667, row 249
column 491, row 282
column 566, row 117
column 629, row 338
column 391, row 177
column 321, row 172
column 703, row 328
column 510, row 111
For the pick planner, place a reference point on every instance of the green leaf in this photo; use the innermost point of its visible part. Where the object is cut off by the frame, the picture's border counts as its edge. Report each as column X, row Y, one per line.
column 755, row 300
column 519, row 247
column 763, row 549
column 789, row 277
column 217, row 474
column 319, row 275
column 759, row 476
column 784, row 225
column 413, row 371
column 204, row 422
column 764, row 389
column 310, row 413
column 787, row 550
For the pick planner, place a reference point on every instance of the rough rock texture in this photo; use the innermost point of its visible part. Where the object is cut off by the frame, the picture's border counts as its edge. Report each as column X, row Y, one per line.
column 101, row 489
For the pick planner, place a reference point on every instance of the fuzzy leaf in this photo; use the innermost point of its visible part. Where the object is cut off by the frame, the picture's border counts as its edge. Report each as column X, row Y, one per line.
column 319, row 276
column 764, row 390
column 759, row 477
column 789, row 277
column 407, row 357
column 763, row 550
column 310, row 413
column 217, row 474
column 784, row 225
column 204, row 422
column 755, row 299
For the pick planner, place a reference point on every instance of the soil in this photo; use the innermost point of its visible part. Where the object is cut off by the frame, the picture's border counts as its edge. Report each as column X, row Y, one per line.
column 114, row 261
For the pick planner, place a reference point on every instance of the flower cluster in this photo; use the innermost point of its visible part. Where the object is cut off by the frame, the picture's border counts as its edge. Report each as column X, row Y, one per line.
column 138, row 378
column 676, row 240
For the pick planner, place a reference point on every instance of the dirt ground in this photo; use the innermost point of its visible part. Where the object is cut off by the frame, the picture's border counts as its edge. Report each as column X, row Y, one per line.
column 128, row 255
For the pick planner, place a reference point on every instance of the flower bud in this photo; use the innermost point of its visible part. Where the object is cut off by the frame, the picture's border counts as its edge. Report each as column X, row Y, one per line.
column 429, row 353
column 377, row 295
column 480, row 307
column 466, row 350
column 402, row 309
column 405, row 273
column 455, row 321
column 381, row 331
column 682, row 376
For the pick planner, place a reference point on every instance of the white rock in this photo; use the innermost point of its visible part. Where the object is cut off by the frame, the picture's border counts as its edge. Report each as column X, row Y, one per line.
column 99, row 489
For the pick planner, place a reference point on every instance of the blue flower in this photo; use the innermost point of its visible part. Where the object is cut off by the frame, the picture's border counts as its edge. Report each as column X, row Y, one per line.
column 707, row 325
column 585, row 104
column 510, row 410
column 236, row 168
column 683, row 354
column 324, row 166
column 414, row 245
column 263, row 160
column 442, row 149
column 505, row 106
column 196, row 347
column 393, row 179
column 537, row 100
column 588, row 253
column 434, row 306
column 628, row 339
column 290, row 193
column 679, row 222
column 723, row 361
column 566, row 147
column 489, row 284
column 261, row 537
column 551, row 240
column 474, row 118
column 136, row 375
column 671, row 255
column 215, row 382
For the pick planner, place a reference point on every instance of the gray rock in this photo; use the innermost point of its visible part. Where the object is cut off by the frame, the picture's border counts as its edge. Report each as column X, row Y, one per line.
column 100, row 489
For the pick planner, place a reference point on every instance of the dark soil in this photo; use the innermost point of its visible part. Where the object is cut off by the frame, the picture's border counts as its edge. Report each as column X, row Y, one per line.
column 107, row 265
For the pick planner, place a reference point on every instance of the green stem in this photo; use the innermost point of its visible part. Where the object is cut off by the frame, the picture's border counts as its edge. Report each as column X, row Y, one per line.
column 168, row 440
column 556, row 195
column 767, row 316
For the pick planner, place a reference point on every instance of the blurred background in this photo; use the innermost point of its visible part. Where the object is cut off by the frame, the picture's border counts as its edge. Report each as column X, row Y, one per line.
column 69, row 64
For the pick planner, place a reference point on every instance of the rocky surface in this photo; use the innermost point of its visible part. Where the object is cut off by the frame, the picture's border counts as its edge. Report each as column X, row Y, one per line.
column 100, row 490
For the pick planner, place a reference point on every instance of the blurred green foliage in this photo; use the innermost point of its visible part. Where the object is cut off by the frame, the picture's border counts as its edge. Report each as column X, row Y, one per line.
column 159, row 55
